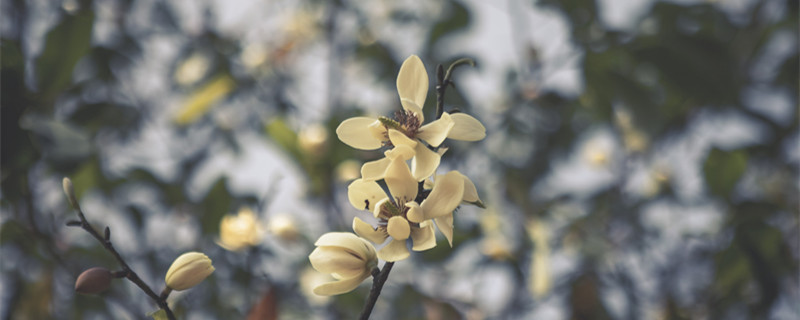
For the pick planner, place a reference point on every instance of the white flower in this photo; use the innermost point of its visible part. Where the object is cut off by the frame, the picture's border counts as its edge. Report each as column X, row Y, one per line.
column 346, row 257
column 188, row 270
column 406, row 128
column 440, row 210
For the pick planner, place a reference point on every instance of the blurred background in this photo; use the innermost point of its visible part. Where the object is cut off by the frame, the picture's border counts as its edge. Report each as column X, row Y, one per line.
column 641, row 159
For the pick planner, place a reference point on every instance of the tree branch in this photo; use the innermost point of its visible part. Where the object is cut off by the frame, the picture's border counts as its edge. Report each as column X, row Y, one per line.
column 378, row 279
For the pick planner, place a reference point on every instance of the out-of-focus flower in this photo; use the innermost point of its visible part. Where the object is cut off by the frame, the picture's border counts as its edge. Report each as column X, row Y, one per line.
column 348, row 170
column 192, row 69
column 313, row 139
column 407, row 129
column 283, row 227
column 540, row 266
column 237, row 232
column 496, row 247
column 188, row 270
column 93, row 281
column 254, row 55
column 346, row 257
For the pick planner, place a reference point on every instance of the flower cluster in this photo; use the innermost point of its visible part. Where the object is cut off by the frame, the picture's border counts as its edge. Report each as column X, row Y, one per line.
column 402, row 189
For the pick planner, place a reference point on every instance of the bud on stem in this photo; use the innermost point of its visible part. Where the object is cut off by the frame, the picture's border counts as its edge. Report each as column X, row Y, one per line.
column 93, row 281
column 70, row 192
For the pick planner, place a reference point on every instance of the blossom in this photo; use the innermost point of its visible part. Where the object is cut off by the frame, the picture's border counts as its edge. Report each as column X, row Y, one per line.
column 407, row 129
column 346, row 257
column 188, row 270
column 94, row 280
column 442, row 217
column 237, row 232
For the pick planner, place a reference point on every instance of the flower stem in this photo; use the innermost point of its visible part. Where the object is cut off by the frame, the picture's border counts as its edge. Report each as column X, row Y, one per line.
column 378, row 279
column 444, row 79
column 105, row 240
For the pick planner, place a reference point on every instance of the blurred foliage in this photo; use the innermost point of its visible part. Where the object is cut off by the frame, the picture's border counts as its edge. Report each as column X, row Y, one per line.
column 69, row 103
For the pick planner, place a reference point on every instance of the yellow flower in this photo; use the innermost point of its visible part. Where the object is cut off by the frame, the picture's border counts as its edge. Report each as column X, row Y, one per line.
column 440, row 213
column 239, row 231
column 188, row 270
column 346, row 257
column 283, row 227
column 407, row 129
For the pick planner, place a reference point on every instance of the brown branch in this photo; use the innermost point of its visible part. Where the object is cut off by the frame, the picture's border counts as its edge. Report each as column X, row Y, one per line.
column 105, row 240
column 444, row 79
column 378, row 279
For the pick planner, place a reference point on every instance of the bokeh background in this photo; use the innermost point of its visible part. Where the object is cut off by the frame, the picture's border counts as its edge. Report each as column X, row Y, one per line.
column 641, row 159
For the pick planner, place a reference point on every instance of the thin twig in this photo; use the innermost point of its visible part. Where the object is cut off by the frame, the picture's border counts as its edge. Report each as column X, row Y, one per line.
column 378, row 279
column 105, row 240
column 444, row 79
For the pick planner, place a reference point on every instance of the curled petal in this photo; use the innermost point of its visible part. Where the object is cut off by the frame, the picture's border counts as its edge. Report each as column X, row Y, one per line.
column 470, row 192
column 374, row 170
column 340, row 286
column 435, row 132
column 446, row 195
column 398, row 228
column 394, row 251
column 423, row 237
column 363, row 195
column 359, row 247
column 356, row 132
column 412, row 81
column 414, row 213
column 400, row 139
column 445, row 225
column 424, row 164
column 381, row 209
column 327, row 259
column 466, row 128
column 366, row 231
column 402, row 185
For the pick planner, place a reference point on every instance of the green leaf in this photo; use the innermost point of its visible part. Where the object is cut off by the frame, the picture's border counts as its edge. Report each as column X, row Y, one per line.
column 458, row 18
column 723, row 169
column 284, row 136
column 65, row 44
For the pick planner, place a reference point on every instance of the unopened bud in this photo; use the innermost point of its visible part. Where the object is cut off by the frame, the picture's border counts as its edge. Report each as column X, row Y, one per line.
column 93, row 281
column 188, row 270
column 70, row 192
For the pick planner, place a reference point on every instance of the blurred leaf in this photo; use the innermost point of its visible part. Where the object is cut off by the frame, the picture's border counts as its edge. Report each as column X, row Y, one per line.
column 12, row 231
column 214, row 206
column 63, row 145
column 200, row 101
column 723, row 169
column 159, row 314
column 279, row 131
column 64, row 45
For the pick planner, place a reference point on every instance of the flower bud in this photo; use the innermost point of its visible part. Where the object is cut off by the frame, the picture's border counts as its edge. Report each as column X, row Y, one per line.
column 93, row 281
column 347, row 257
column 188, row 270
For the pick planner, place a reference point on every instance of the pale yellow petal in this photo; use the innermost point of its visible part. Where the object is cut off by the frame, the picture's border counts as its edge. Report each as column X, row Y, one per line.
column 355, row 132
column 363, row 195
column 340, row 286
column 374, row 170
column 435, row 132
column 466, row 128
column 446, row 195
column 424, row 164
column 412, row 81
column 445, row 225
column 423, row 237
column 379, row 211
column 402, row 184
column 398, row 228
column 366, row 231
column 412, row 107
column 328, row 259
column 470, row 192
column 394, row 251
column 414, row 213
column 400, row 139
column 402, row 151
column 346, row 240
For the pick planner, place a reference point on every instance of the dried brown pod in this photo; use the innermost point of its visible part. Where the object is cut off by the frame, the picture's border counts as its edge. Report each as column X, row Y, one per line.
column 93, row 281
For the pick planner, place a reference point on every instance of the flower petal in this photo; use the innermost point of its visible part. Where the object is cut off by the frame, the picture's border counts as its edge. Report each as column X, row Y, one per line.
column 374, row 170
column 403, row 151
column 402, row 184
column 328, row 259
column 411, row 106
column 470, row 192
column 363, row 195
column 424, row 164
column 366, row 231
column 423, row 237
column 355, row 132
column 360, row 247
column 400, row 139
column 447, row 193
column 412, row 81
column 466, row 128
column 414, row 213
column 445, row 225
column 340, row 286
column 435, row 132
column 398, row 228
column 394, row 251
